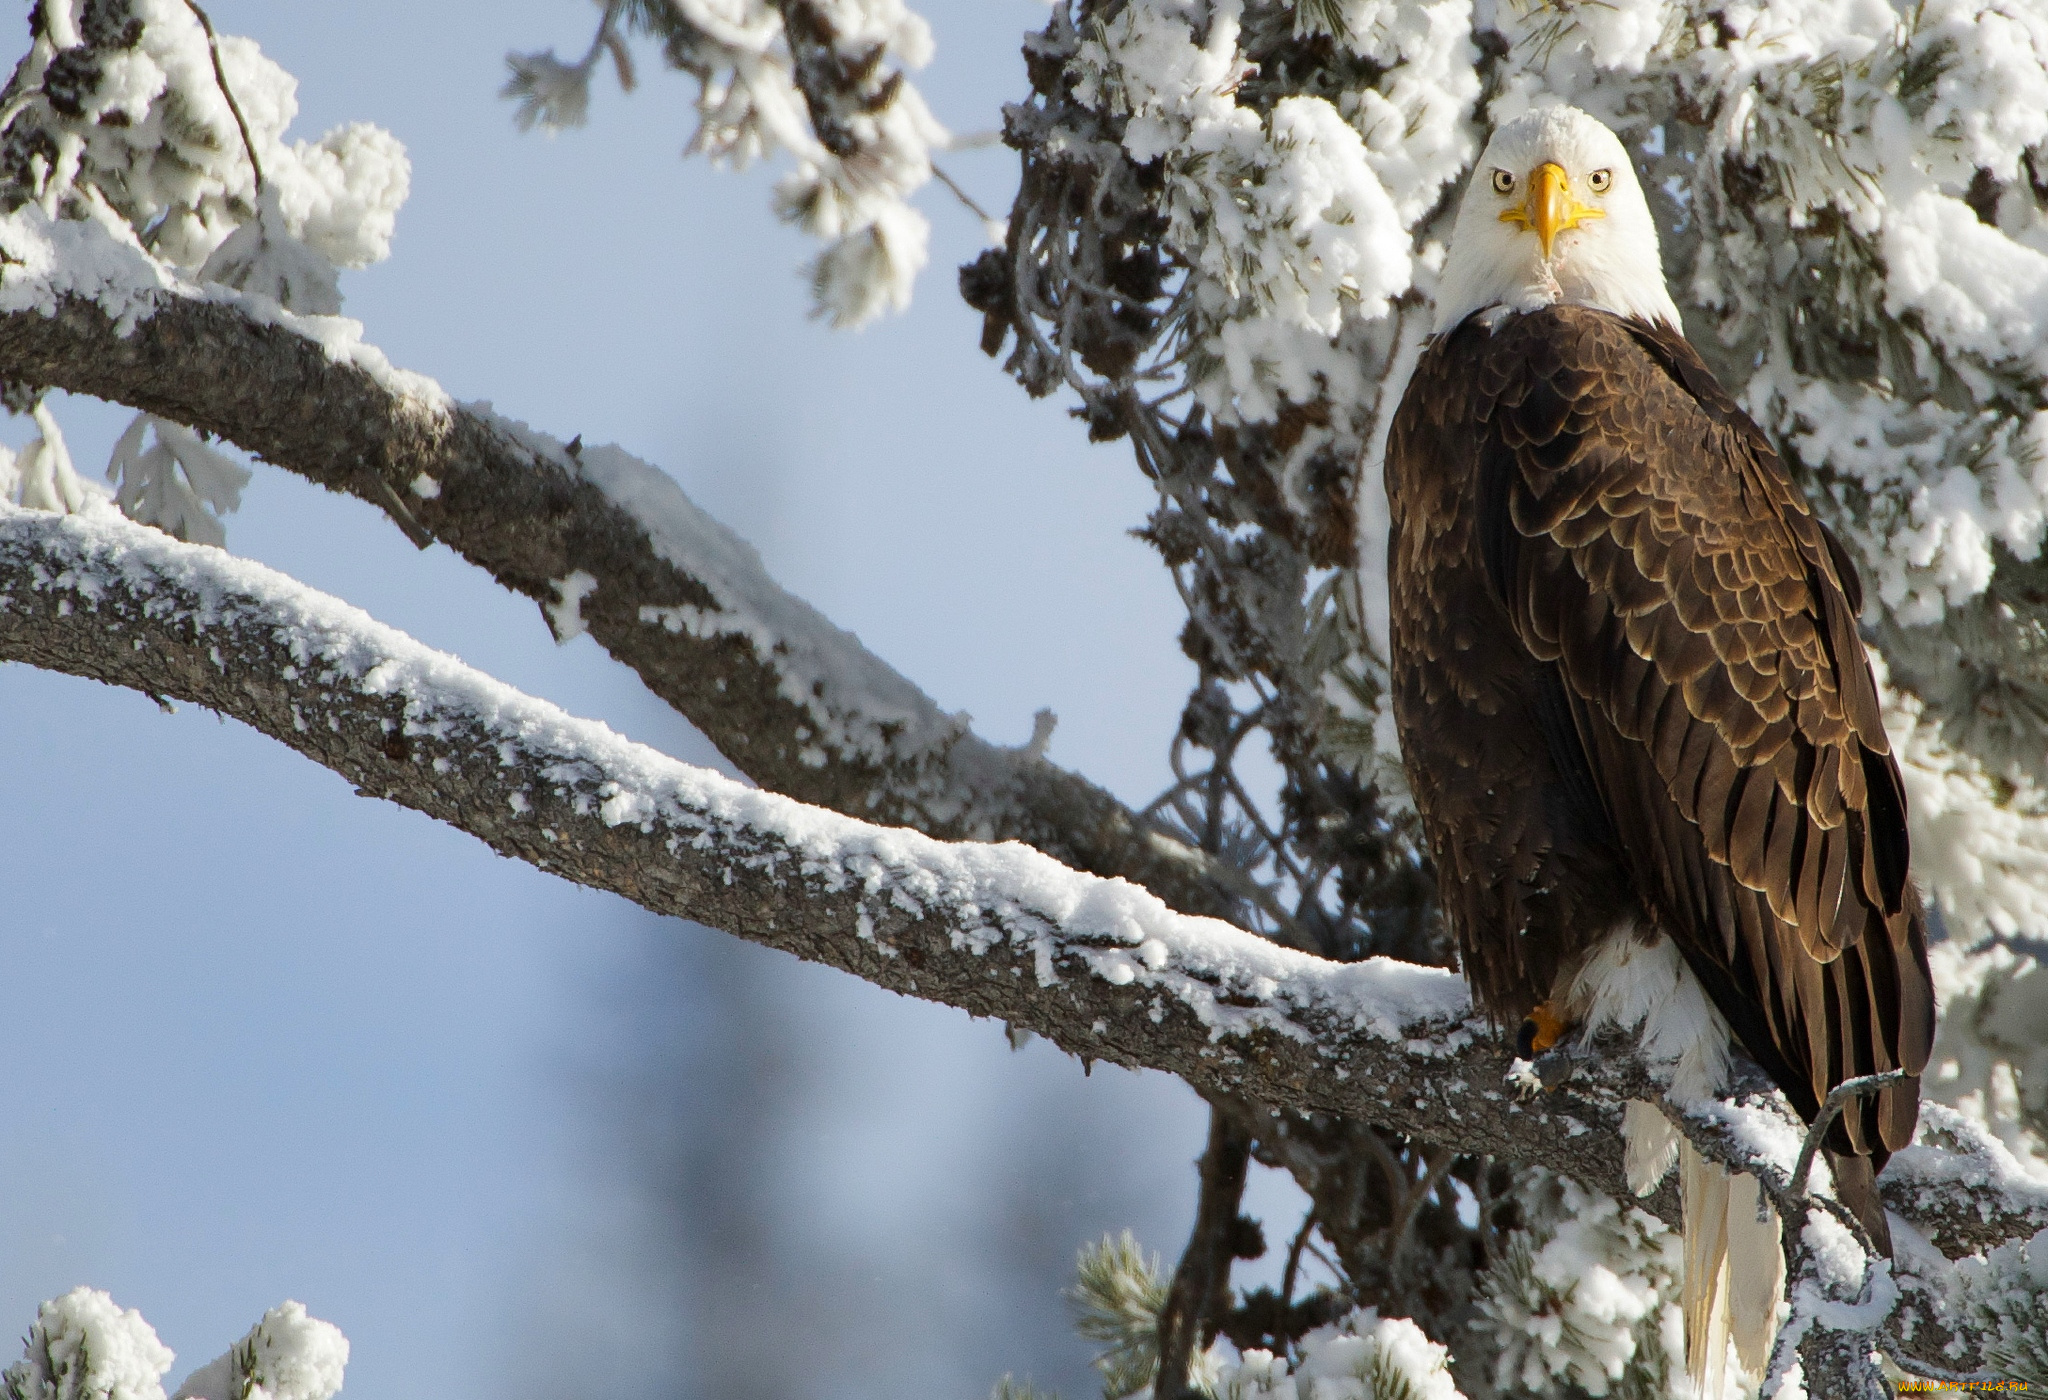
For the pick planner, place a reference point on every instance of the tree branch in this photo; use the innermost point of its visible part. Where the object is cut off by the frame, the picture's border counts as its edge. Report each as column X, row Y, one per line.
column 1101, row 968
column 1200, row 1296
column 601, row 541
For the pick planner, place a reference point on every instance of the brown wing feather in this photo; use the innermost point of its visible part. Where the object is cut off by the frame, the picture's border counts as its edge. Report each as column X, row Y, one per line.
column 1703, row 622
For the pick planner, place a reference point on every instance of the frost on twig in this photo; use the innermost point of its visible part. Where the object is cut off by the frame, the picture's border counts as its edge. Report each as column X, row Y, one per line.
column 178, row 483
column 41, row 476
column 265, row 258
column 1118, row 1297
column 133, row 116
column 1584, row 1296
column 116, row 114
column 820, row 80
column 2001, row 1301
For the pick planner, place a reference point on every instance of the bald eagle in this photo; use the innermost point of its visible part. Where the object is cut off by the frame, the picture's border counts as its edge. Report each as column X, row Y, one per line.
column 1636, row 715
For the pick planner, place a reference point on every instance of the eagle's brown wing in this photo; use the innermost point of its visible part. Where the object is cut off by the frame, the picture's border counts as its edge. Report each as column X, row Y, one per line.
column 1648, row 543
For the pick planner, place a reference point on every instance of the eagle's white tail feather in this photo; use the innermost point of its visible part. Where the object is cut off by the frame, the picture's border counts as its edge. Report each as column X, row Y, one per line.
column 1649, row 1146
column 1703, row 1190
column 1756, row 1275
column 1734, row 1266
column 1734, row 1272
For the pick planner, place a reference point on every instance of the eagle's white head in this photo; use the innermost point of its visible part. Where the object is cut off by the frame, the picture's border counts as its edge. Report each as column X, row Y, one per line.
column 1554, row 213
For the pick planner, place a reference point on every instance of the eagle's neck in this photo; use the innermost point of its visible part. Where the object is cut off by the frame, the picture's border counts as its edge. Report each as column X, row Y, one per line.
column 1590, row 277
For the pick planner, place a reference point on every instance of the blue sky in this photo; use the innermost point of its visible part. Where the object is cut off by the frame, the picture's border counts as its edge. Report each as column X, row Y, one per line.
column 268, row 1039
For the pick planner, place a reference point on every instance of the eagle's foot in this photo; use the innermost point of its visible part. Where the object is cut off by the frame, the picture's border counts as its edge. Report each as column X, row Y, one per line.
column 1555, row 1067
column 1543, row 1029
column 1544, row 1056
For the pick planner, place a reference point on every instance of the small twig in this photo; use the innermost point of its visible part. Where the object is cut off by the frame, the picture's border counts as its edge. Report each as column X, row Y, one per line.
column 1325, row 1260
column 1395, row 1171
column 1837, row 1098
column 401, row 514
column 1482, row 1205
column 1201, row 1284
column 227, row 93
column 1927, row 1370
column 607, row 37
column 15, row 108
column 939, row 173
column 1294, row 1261
column 1413, row 1201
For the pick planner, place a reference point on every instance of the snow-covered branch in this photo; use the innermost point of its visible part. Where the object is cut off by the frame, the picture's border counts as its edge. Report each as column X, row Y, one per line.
column 1100, row 967
column 602, row 542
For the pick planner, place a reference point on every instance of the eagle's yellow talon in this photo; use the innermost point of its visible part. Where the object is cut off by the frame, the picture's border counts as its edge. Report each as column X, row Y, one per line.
column 1543, row 1029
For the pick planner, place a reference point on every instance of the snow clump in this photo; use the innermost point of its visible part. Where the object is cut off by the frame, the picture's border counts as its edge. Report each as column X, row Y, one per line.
column 119, row 105
column 1361, row 1356
column 84, row 1347
column 1297, row 219
column 1990, row 1058
column 2002, row 1300
column 287, row 1356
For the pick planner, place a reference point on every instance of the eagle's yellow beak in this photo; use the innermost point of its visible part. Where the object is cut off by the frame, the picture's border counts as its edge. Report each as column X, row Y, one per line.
column 1551, row 207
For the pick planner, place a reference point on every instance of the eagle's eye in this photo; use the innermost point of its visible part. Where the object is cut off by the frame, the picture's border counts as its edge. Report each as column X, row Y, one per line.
column 1600, row 181
column 1503, row 182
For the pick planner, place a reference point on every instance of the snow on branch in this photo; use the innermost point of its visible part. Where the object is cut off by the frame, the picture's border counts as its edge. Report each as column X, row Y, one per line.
column 1100, row 967
column 601, row 541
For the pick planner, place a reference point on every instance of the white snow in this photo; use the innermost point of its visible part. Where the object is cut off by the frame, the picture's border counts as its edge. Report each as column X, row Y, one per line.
column 2003, row 1299
column 179, row 484
column 1297, row 220
column 1856, row 1293
column 1598, row 1284
column 1979, row 837
column 855, row 196
column 41, row 476
column 1990, row 1059
column 173, row 158
column 1954, row 1160
column 565, row 615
